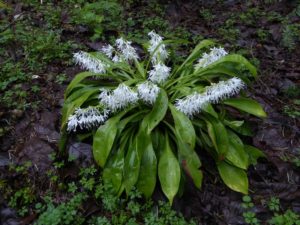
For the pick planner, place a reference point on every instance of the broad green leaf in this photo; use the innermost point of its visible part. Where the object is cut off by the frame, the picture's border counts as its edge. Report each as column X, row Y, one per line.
column 113, row 171
column 190, row 161
column 186, row 138
column 254, row 154
column 136, row 116
column 236, row 154
column 158, row 112
column 240, row 127
column 234, row 58
column 131, row 166
column 218, row 135
column 183, row 127
column 77, row 79
column 169, row 172
column 235, row 178
column 195, row 53
column 217, row 70
column 148, row 169
column 247, row 105
column 104, row 140
column 210, row 110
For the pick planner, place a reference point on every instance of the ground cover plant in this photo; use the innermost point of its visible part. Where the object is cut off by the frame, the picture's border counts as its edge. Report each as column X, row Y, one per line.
column 149, row 120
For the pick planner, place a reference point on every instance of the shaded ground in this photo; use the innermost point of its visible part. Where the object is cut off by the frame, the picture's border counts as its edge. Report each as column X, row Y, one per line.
column 255, row 30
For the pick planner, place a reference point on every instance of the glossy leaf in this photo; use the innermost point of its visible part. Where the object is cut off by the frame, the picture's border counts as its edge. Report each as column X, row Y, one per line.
column 148, row 169
column 184, row 127
column 235, row 178
column 158, row 112
column 236, row 154
column 190, row 162
column 196, row 53
column 247, row 105
column 113, row 171
column 240, row 127
column 104, row 140
column 186, row 138
column 169, row 172
column 254, row 154
column 218, row 135
column 131, row 166
column 77, row 79
column 238, row 59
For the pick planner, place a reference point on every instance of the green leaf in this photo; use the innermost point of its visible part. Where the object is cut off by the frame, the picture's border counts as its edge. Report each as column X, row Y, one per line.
column 158, row 112
column 254, row 154
column 77, row 79
column 210, row 110
column 184, row 127
column 169, row 172
column 218, row 135
column 247, row 105
column 234, row 58
column 104, row 140
column 148, row 169
column 235, row 178
column 240, row 127
column 195, row 54
column 131, row 166
column 69, row 107
column 190, row 162
column 236, row 154
column 185, row 139
column 113, row 171
column 140, row 68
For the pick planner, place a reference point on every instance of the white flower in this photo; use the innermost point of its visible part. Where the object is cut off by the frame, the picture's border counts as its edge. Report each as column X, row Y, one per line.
column 192, row 104
column 127, row 51
column 148, row 92
column 208, row 58
column 224, row 89
column 161, row 53
column 86, row 118
column 119, row 98
column 116, row 59
column 160, row 73
column 87, row 61
column 108, row 50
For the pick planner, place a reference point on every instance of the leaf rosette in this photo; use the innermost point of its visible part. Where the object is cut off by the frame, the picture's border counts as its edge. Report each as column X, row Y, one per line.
column 149, row 121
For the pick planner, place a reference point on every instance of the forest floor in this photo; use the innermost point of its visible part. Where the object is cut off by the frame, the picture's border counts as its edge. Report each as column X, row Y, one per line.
column 37, row 42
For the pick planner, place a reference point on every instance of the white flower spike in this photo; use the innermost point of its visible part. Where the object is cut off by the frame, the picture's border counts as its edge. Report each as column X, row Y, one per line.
column 160, row 73
column 108, row 50
column 86, row 61
column 224, row 89
column 148, row 92
column 208, row 58
column 119, row 98
column 161, row 53
column 125, row 48
column 86, row 118
column 194, row 103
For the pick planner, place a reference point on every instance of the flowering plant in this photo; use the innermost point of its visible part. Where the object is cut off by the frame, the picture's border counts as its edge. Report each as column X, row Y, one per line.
column 148, row 119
